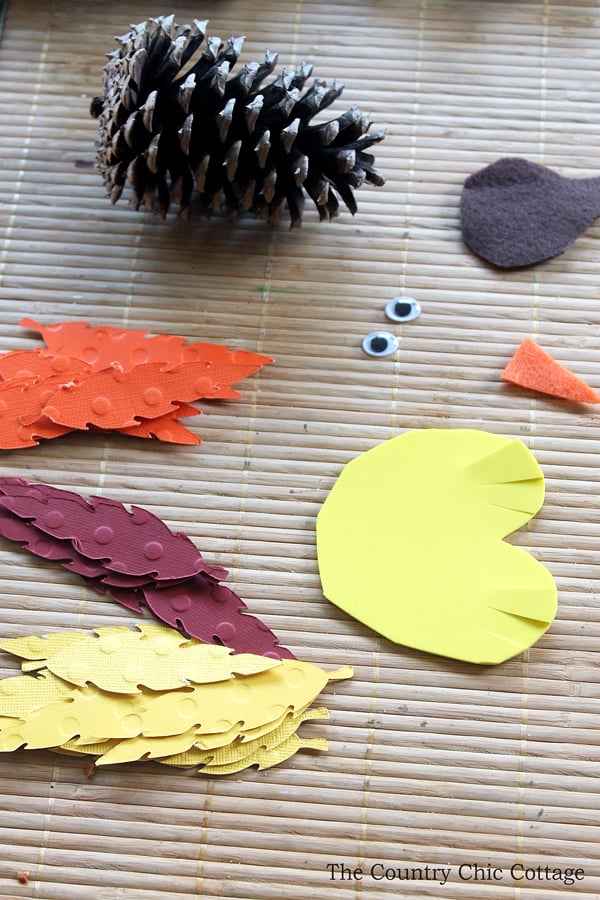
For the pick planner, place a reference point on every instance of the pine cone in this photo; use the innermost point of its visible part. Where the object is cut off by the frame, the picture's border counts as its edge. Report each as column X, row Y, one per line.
column 173, row 119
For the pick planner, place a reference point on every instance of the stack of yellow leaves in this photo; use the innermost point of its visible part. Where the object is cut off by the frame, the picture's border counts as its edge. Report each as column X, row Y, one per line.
column 151, row 693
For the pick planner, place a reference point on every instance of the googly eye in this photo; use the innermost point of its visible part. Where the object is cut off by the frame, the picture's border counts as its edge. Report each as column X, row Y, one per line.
column 402, row 309
column 380, row 343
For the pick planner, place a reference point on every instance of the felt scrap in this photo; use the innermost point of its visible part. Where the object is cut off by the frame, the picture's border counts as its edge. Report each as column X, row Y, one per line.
column 245, row 711
column 176, row 585
column 115, row 379
column 516, row 213
column 429, row 511
column 533, row 368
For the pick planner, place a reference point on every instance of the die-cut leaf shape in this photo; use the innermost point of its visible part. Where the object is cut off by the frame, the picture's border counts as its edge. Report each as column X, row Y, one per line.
column 134, row 542
column 19, row 696
column 533, row 368
column 242, row 747
column 103, row 346
column 516, row 213
column 167, row 428
column 264, row 705
column 410, row 543
column 125, row 381
column 115, row 399
column 31, row 364
column 266, row 758
column 21, row 419
column 118, row 659
column 196, row 605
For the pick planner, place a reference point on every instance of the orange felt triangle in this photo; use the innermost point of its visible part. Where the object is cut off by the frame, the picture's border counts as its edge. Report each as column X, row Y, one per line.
column 533, row 368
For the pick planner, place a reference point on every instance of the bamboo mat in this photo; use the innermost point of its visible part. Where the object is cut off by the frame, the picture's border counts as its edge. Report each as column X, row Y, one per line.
column 432, row 763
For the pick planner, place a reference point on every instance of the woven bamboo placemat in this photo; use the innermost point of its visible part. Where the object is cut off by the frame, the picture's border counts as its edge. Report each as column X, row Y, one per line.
column 433, row 764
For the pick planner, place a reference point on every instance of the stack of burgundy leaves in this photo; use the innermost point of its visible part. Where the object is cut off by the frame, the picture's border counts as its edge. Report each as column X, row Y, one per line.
column 134, row 556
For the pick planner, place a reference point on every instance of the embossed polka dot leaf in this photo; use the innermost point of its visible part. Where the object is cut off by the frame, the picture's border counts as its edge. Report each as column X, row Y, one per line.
column 102, row 346
column 239, row 697
column 21, row 421
column 118, row 659
column 246, row 745
column 428, row 511
column 213, row 612
column 197, row 605
column 134, row 542
column 104, row 378
column 116, row 399
column 39, row 363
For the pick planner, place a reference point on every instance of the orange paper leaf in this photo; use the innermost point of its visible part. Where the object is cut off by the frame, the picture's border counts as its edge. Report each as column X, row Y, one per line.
column 21, row 402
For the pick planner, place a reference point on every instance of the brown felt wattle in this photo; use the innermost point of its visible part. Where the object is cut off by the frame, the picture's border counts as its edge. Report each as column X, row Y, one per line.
column 516, row 213
column 533, row 368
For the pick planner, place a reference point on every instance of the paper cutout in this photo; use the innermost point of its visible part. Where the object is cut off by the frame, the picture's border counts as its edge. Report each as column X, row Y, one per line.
column 62, row 526
column 245, row 711
column 21, row 419
column 104, row 347
column 410, row 543
column 516, row 213
column 112, row 379
column 136, row 542
column 116, row 399
column 242, row 747
column 533, row 368
column 119, row 659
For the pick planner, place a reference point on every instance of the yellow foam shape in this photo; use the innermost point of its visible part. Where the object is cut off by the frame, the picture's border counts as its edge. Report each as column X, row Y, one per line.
column 265, row 759
column 410, row 542
column 238, row 749
column 119, row 659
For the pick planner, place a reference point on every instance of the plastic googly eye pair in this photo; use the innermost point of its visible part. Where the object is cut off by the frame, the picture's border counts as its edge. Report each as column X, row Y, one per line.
column 383, row 343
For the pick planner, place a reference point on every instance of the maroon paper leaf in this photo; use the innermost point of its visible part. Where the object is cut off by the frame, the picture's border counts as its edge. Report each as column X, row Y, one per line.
column 213, row 612
column 134, row 543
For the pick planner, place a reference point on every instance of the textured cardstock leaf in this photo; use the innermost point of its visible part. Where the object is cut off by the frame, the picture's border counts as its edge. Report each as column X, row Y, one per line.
column 103, row 346
column 242, row 747
column 21, row 403
column 266, row 759
column 196, row 605
column 31, row 364
column 118, row 659
column 212, row 612
column 410, row 543
column 133, row 542
column 44, row 711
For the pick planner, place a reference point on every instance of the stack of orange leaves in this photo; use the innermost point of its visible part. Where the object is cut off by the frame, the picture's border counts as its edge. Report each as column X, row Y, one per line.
column 107, row 378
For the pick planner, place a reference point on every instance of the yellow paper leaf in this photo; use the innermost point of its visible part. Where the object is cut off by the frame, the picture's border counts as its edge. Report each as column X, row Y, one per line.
column 118, row 659
column 22, row 694
column 239, row 749
column 410, row 543
column 206, row 715
column 265, row 759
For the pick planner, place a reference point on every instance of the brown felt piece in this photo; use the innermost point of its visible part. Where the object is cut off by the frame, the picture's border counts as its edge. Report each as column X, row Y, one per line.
column 516, row 213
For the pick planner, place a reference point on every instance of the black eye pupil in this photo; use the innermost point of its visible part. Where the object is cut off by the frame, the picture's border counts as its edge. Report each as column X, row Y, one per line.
column 403, row 308
column 379, row 344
